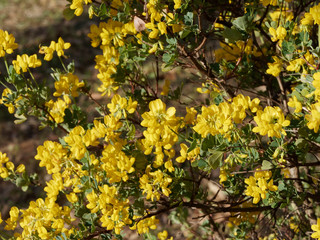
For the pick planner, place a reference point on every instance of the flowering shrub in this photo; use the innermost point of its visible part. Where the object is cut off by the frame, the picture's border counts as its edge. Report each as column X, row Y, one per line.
column 148, row 161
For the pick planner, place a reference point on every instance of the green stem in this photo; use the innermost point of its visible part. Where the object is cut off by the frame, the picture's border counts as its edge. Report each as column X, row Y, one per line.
column 33, row 78
column 64, row 67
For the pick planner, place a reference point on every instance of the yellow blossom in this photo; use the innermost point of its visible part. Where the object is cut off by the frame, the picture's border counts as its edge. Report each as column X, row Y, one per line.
column 278, row 34
column 270, row 122
column 24, row 62
column 267, row 2
column 316, row 229
column 294, row 103
column 275, row 68
column 57, row 108
column 7, row 43
column 315, row 12
column 258, row 185
column 314, row 117
column 67, row 84
column 58, row 47
column 78, row 7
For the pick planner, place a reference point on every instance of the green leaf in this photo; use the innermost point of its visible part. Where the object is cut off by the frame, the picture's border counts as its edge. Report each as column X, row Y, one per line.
column 287, row 49
column 168, row 57
column 202, row 164
column 242, row 23
column 281, row 186
column 188, row 18
column 193, row 145
column 184, row 33
column 140, row 160
column 266, row 165
column 215, row 158
column 68, row 14
column 231, row 34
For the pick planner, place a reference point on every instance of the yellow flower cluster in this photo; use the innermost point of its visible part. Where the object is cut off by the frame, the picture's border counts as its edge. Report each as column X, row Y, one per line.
column 278, row 34
column 24, row 62
column 219, row 119
column 270, row 122
column 314, row 117
column 77, row 5
column 7, row 43
column 316, row 229
column 162, row 127
column 78, row 139
column 115, row 213
column 67, row 84
column 275, row 68
column 144, row 225
column 58, row 47
column 57, row 108
column 184, row 154
column 110, row 36
column 232, row 51
column 119, row 106
column 7, row 167
column 164, row 235
column 6, row 95
column 153, row 182
column 116, row 163
column 51, row 155
column 258, row 185
column 43, row 218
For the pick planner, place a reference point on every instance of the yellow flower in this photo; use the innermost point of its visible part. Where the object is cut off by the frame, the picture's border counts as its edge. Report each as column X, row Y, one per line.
column 7, row 44
column 144, row 225
column 51, row 155
column 314, row 118
column 120, row 105
column 177, row 4
column 316, row 84
column 77, row 6
column 164, row 235
column 190, row 116
column 59, row 47
column 4, row 100
column 162, row 126
column 307, row 19
column 57, row 108
column 270, row 122
column 162, row 27
column 214, row 120
column 258, row 185
column 267, row 2
column 294, row 103
column 315, row 12
column 275, row 68
column 24, row 62
column 13, row 219
column 21, row 168
column 295, row 65
column 316, row 229
column 67, row 84
column 278, row 34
